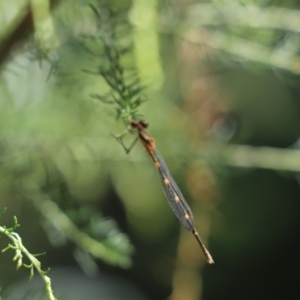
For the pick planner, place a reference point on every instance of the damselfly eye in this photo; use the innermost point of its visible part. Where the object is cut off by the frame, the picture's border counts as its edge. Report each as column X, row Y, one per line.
column 144, row 123
column 134, row 124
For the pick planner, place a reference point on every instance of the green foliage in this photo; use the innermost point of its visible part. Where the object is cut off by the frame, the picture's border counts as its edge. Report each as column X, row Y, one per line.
column 109, row 45
column 104, row 230
column 20, row 250
column 39, row 160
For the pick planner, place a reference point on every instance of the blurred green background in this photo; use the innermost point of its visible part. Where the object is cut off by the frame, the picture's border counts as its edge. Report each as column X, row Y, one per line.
column 218, row 82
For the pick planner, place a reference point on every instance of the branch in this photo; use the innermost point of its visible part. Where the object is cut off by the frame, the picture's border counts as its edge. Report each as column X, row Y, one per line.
column 18, row 30
column 243, row 15
column 255, row 157
column 245, row 49
column 60, row 220
column 20, row 249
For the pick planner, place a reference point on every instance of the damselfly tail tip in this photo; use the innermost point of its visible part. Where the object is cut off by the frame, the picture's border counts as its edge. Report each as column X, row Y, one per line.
column 206, row 253
column 209, row 259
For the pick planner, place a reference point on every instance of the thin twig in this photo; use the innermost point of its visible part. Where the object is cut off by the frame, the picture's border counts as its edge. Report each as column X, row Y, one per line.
column 20, row 249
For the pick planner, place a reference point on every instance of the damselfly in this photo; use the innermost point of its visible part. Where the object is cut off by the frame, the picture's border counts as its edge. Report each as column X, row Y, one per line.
column 174, row 196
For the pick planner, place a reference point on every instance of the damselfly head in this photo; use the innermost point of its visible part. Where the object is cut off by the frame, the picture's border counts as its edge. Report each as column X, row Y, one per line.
column 144, row 123
column 141, row 124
